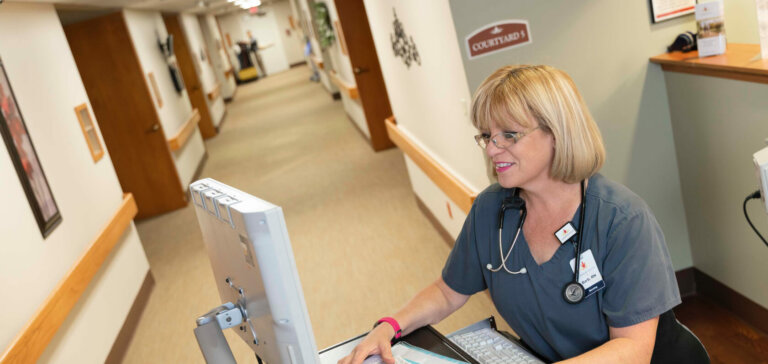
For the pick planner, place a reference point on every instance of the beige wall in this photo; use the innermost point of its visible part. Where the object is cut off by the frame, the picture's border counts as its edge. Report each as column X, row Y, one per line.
column 307, row 13
column 293, row 42
column 429, row 100
column 343, row 68
column 604, row 45
column 264, row 28
column 740, row 21
column 204, row 68
column 218, row 51
column 144, row 28
column 47, row 85
column 231, row 24
column 718, row 124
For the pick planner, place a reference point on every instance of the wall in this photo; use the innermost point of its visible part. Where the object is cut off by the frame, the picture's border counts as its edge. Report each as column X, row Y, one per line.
column 218, row 51
column 264, row 29
column 740, row 21
column 232, row 27
column 718, row 124
column 204, row 68
column 306, row 13
column 343, row 67
column 428, row 100
column 47, row 85
column 291, row 37
column 626, row 95
column 144, row 28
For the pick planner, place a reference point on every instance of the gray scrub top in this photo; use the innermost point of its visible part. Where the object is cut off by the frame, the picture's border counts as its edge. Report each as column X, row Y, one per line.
column 629, row 250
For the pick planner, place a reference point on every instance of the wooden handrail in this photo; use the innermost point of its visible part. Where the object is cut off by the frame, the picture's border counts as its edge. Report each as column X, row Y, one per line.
column 456, row 190
column 350, row 90
column 318, row 61
column 739, row 62
column 214, row 94
column 40, row 330
column 182, row 136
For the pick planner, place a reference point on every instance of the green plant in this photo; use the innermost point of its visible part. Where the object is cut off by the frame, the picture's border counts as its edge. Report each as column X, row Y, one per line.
column 323, row 24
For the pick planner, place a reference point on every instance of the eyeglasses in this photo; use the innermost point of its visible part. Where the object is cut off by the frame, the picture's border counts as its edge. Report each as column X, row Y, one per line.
column 507, row 138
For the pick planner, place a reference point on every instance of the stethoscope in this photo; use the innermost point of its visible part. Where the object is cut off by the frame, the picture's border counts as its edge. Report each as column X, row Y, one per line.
column 573, row 292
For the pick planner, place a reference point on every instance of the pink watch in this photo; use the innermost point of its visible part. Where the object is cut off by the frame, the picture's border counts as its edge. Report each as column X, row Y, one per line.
column 393, row 323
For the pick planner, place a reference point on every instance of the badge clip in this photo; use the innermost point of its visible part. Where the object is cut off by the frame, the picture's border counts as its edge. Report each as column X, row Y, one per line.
column 566, row 232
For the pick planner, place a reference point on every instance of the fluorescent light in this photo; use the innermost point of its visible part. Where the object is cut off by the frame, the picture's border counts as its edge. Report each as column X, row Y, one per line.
column 245, row 4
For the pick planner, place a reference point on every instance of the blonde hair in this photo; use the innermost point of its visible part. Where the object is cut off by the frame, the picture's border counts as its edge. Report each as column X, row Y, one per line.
column 546, row 97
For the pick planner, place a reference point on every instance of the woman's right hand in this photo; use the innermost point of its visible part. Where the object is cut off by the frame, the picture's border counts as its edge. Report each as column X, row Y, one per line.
column 378, row 341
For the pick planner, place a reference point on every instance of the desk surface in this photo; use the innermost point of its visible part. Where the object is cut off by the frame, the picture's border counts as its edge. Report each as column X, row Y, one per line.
column 426, row 338
column 740, row 62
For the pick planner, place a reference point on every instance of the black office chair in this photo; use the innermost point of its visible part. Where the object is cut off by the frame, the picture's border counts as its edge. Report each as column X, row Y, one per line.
column 676, row 344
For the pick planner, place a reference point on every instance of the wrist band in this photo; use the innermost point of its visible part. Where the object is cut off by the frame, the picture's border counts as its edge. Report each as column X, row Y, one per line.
column 393, row 323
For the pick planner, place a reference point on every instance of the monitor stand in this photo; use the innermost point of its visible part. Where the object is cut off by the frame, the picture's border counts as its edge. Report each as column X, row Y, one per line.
column 210, row 335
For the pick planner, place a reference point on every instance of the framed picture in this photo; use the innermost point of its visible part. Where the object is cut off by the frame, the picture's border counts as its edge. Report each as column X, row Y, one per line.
column 669, row 9
column 24, row 157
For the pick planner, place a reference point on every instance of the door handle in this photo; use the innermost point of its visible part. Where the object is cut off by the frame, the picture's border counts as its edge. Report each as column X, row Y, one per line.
column 359, row 70
column 154, row 128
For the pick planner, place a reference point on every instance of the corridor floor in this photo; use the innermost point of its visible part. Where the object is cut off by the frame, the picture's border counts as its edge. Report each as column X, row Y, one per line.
column 362, row 246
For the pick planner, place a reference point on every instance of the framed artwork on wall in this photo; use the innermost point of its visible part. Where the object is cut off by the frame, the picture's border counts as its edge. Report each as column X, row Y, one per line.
column 669, row 9
column 24, row 158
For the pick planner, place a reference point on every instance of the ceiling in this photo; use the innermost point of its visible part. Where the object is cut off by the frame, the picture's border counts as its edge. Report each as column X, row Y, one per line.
column 215, row 7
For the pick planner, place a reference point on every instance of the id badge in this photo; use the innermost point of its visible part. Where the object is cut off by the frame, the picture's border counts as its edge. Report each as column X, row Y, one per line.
column 589, row 276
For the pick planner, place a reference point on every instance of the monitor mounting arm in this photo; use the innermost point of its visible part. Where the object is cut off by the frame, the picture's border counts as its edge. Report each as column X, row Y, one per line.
column 210, row 336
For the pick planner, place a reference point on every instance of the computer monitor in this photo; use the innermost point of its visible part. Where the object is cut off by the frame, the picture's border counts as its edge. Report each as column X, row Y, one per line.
column 252, row 260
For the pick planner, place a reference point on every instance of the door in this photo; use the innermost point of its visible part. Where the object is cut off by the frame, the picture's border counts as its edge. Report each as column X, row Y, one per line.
column 124, row 110
column 365, row 64
column 189, row 73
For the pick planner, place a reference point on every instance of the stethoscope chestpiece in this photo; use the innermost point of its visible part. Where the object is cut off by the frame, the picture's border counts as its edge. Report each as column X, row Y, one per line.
column 573, row 292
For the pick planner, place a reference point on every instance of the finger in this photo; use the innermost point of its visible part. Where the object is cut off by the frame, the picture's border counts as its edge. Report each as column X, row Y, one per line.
column 386, row 353
column 359, row 356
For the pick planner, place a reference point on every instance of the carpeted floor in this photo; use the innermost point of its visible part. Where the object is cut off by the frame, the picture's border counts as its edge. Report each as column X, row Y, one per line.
column 361, row 244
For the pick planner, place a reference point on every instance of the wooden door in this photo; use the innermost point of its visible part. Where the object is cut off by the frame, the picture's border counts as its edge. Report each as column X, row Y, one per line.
column 365, row 64
column 125, row 112
column 189, row 73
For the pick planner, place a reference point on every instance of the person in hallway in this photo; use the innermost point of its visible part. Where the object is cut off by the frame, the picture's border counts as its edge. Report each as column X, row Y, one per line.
column 315, row 77
column 254, row 47
column 522, row 235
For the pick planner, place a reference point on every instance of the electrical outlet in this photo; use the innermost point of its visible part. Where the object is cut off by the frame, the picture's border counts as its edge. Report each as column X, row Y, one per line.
column 761, row 170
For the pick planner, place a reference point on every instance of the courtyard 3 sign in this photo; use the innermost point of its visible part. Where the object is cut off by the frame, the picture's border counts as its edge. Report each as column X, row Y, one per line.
column 498, row 36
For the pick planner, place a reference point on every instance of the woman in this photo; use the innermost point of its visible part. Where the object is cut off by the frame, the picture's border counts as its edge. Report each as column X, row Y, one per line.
column 546, row 151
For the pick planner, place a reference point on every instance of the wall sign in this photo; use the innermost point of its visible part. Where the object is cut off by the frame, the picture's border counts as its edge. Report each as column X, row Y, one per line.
column 402, row 44
column 498, row 36
column 668, row 9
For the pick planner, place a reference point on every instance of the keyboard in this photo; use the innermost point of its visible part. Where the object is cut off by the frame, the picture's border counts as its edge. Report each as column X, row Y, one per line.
column 488, row 346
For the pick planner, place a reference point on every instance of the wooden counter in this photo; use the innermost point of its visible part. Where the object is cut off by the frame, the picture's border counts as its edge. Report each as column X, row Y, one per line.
column 740, row 62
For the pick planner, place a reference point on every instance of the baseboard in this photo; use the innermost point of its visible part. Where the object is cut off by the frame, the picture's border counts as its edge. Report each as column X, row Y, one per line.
column 223, row 119
column 434, row 221
column 746, row 309
column 357, row 127
column 297, row 64
column 124, row 337
column 229, row 99
column 686, row 281
column 199, row 168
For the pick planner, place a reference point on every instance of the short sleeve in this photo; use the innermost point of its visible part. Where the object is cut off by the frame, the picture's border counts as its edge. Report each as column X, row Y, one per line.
column 640, row 279
column 462, row 271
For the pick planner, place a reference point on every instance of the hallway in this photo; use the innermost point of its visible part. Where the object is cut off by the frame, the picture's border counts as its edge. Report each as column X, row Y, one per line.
column 361, row 244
